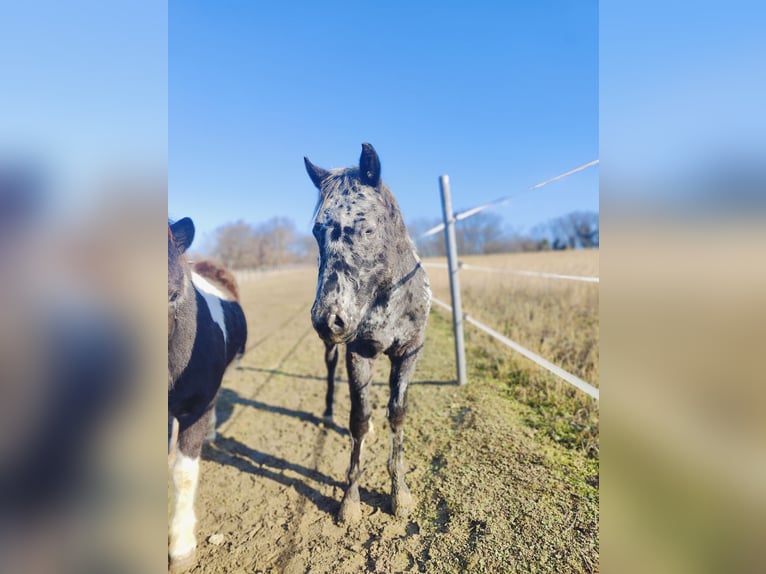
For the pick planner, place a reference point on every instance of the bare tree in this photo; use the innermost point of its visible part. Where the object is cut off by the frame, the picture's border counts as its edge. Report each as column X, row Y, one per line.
column 233, row 243
column 586, row 226
column 475, row 233
column 275, row 239
column 576, row 229
column 306, row 249
column 430, row 246
column 273, row 243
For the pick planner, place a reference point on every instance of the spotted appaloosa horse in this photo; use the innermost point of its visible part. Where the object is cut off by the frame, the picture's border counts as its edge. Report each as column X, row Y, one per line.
column 374, row 296
column 206, row 331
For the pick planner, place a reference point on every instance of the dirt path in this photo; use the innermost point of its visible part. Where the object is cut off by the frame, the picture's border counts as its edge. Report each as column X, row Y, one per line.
column 491, row 494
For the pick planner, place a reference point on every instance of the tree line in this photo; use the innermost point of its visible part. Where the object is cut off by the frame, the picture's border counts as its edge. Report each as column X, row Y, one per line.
column 277, row 242
column 274, row 243
column 484, row 234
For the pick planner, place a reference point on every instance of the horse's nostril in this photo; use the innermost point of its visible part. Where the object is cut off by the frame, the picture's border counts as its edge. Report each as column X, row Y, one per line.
column 329, row 325
column 336, row 324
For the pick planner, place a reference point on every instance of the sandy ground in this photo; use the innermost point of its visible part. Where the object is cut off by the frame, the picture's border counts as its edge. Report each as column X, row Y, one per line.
column 490, row 493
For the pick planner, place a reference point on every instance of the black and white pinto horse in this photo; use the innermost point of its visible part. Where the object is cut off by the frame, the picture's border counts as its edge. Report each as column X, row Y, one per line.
column 374, row 296
column 206, row 331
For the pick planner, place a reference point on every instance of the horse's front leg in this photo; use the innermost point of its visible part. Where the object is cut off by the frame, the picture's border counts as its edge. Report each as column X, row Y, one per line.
column 331, row 360
column 359, row 377
column 182, row 542
column 402, row 367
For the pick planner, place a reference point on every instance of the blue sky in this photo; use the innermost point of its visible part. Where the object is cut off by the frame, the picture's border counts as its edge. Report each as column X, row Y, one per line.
column 498, row 95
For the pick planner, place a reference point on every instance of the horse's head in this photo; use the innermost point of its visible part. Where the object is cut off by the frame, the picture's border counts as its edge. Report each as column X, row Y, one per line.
column 180, row 236
column 358, row 229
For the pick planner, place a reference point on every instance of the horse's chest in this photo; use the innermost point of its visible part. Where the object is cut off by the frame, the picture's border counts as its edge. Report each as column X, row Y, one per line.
column 197, row 384
column 196, row 363
column 382, row 330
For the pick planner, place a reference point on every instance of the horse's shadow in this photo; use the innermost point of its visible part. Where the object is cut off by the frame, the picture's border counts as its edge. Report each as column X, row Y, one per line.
column 418, row 383
column 277, row 372
column 227, row 398
column 229, row 451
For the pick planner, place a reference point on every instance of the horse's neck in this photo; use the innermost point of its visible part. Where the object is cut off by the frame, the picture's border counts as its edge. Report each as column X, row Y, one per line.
column 406, row 256
column 181, row 344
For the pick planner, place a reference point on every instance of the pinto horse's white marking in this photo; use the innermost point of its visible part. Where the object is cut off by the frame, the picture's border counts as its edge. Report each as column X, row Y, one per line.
column 185, row 478
column 211, row 431
column 213, row 296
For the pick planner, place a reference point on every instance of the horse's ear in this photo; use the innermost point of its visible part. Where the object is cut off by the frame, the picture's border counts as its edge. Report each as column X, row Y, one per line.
column 183, row 232
column 317, row 174
column 369, row 165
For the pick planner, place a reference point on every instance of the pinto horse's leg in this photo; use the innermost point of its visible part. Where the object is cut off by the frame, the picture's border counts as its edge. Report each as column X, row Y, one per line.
column 331, row 360
column 183, row 544
column 359, row 377
column 211, row 427
column 172, row 440
column 402, row 368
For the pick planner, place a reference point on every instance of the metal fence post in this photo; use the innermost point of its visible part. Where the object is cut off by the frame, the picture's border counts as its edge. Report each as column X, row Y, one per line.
column 454, row 279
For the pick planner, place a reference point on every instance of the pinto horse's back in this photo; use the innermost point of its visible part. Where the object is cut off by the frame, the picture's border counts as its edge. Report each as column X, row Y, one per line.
column 219, row 275
column 215, row 280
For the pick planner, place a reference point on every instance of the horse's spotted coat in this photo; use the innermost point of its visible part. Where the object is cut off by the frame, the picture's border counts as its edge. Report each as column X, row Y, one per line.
column 374, row 296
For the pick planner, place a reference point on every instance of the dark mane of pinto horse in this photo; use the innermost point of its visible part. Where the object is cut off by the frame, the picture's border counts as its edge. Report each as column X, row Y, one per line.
column 205, row 333
column 373, row 296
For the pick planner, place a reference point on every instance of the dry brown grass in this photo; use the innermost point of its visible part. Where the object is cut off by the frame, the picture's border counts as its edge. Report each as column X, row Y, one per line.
column 557, row 319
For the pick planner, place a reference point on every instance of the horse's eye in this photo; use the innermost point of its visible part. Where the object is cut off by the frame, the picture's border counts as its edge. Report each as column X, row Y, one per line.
column 369, row 231
column 174, row 296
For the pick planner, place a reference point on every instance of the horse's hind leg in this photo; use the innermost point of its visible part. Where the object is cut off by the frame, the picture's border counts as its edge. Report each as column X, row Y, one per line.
column 183, row 544
column 401, row 371
column 331, row 360
column 359, row 376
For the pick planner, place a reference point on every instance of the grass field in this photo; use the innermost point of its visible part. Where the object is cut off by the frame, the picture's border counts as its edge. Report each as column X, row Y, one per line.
column 557, row 319
column 504, row 470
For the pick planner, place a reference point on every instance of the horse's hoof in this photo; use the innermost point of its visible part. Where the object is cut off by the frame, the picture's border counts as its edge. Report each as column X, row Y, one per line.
column 350, row 511
column 401, row 503
column 177, row 564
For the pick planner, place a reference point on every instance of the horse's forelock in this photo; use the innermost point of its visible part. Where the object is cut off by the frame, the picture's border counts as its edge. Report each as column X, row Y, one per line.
column 338, row 180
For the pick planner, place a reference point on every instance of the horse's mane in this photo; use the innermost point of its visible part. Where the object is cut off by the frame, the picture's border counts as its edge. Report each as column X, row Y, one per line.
column 218, row 274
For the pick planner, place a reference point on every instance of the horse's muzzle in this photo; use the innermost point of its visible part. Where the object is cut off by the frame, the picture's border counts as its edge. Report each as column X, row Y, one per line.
column 331, row 326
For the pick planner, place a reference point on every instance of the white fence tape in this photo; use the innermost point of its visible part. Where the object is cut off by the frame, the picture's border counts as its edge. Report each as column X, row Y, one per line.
column 517, row 272
column 475, row 210
column 558, row 371
column 565, row 174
